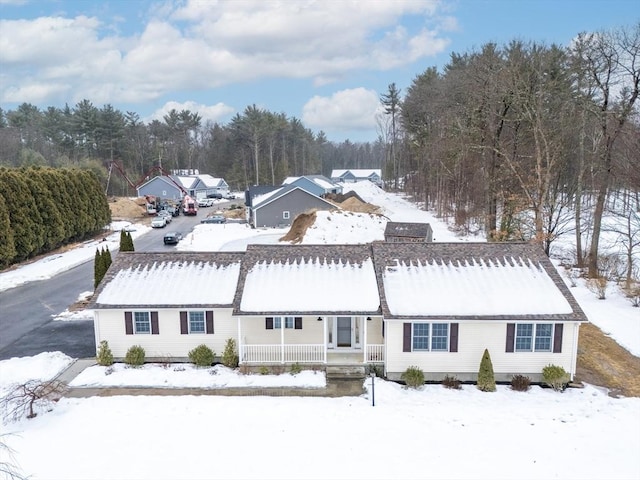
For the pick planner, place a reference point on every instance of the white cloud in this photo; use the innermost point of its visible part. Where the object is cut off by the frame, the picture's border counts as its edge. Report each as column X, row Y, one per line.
column 351, row 109
column 213, row 113
column 199, row 45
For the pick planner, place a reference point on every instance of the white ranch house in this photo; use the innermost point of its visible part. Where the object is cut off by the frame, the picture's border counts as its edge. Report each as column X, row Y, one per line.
column 435, row 306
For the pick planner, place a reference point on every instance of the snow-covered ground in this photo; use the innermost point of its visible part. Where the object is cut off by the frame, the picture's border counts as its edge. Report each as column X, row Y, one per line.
column 433, row 432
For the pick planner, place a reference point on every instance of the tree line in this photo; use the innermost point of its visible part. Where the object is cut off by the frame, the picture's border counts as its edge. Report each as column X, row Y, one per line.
column 256, row 147
column 42, row 209
column 525, row 141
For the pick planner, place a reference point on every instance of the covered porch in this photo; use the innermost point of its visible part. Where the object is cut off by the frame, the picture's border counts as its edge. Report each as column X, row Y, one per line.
column 328, row 340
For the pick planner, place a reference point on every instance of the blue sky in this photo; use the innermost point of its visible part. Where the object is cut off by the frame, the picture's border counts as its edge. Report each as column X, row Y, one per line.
column 323, row 62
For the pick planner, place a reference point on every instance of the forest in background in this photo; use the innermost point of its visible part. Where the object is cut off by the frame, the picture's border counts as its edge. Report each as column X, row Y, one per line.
column 519, row 141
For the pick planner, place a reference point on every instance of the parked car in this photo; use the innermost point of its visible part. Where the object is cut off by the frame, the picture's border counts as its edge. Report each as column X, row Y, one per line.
column 205, row 202
column 230, row 196
column 214, row 219
column 159, row 222
column 172, row 238
column 215, row 195
column 166, row 215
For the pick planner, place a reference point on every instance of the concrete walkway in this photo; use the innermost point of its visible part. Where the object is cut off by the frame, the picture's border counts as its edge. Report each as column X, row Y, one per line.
column 336, row 387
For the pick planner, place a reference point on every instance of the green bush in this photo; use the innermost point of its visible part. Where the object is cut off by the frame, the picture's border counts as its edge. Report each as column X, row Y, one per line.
column 413, row 377
column 135, row 356
column 556, row 377
column 451, row 382
column 520, row 383
column 264, row 370
column 486, row 378
column 202, row 356
column 104, row 356
column 229, row 356
column 295, row 368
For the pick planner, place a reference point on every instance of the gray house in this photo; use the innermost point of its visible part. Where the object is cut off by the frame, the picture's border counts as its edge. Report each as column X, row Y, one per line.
column 357, row 175
column 206, row 185
column 280, row 207
column 317, row 184
column 169, row 187
column 408, row 232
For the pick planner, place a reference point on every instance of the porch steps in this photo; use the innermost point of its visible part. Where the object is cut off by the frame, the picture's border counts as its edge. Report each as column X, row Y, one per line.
column 345, row 371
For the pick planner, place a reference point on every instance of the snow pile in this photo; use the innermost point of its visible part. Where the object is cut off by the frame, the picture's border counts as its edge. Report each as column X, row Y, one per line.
column 42, row 367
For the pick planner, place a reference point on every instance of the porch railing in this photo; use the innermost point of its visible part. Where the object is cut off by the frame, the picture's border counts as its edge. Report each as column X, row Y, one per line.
column 301, row 353
column 375, row 353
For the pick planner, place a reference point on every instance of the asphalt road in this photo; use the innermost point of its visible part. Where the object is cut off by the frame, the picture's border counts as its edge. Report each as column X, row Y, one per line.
column 26, row 323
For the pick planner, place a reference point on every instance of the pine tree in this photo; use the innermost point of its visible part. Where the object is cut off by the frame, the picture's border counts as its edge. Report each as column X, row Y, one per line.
column 130, row 247
column 97, row 268
column 123, row 240
column 486, row 378
column 107, row 259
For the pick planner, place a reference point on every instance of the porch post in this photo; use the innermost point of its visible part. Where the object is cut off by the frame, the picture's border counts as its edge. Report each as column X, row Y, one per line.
column 282, row 339
column 326, row 339
column 240, row 342
column 364, row 339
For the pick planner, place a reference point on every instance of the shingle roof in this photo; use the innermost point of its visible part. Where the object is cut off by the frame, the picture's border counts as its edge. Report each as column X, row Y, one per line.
column 407, row 229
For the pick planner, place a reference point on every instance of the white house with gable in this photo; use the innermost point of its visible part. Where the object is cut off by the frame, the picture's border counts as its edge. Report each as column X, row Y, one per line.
column 436, row 306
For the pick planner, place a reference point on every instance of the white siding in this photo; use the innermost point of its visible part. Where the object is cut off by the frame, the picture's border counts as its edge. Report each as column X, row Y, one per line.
column 254, row 332
column 473, row 338
column 110, row 326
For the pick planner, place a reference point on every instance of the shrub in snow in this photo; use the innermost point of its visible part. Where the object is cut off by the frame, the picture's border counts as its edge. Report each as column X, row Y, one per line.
column 104, row 356
column 520, row 383
column 202, row 356
column 632, row 293
column 452, row 382
column 264, row 370
column 23, row 400
column 486, row 378
column 556, row 377
column 135, row 356
column 598, row 286
column 295, row 368
column 413, row 377
column 229, row 356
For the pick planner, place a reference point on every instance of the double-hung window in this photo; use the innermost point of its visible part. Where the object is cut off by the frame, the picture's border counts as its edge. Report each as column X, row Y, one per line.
column 531, row 337
column 432, row 337
column 142, row 322
column 289, row 322
column 196, row 322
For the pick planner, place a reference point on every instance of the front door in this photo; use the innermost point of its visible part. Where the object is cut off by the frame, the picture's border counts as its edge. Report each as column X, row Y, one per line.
column 344, row 331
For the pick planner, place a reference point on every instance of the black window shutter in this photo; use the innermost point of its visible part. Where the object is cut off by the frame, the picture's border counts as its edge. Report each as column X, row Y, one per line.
column 511, row 336
column 184, row 326
column 128, row 323
column 453, row 337
column 406, row 337
column 557, row 338
column 155, row 329
column 269, row 323
column 209, row 321
column 298, row 323
column 382, row 328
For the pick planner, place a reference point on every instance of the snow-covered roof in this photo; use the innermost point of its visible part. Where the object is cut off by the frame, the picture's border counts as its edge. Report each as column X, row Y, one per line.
column 317, row 279
column 358, row 173
column 210, row 181
column 186, row 182
column 157, row 279
column 470, row 280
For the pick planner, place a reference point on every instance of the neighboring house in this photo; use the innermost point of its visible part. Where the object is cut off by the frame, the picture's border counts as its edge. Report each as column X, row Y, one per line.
column 168, row 187
column 206, row 185
column 408, row 232
column 280, row 207
column 317, row 184
column 434, row 306
column 356, row 175
column 174, row 187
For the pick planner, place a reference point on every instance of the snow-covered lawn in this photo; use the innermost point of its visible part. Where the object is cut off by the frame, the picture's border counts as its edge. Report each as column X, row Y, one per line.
column 430, row 433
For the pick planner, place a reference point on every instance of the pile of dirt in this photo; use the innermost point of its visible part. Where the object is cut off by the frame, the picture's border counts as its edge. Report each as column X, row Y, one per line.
column 602, row 361
column 124, row 208
column 299, row 227
column 353, row 204
column 238, row 213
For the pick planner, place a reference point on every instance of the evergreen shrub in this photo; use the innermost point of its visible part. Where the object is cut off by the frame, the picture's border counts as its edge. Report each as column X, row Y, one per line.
column 229, row 356
column 202, row 356
column 556, row 377
column 104, row 356
column 413, row 377
column 135, row 356
column 486, row 378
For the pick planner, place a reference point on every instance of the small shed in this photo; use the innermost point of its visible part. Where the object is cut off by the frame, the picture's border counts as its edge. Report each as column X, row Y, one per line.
column 408, row 232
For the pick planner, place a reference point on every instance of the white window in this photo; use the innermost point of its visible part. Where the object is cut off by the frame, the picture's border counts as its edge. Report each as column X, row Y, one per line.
column 433, row 337
column 141, row 322
column 289, row 322
column 196, row 322
column 286, row 215
column 527, row 332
